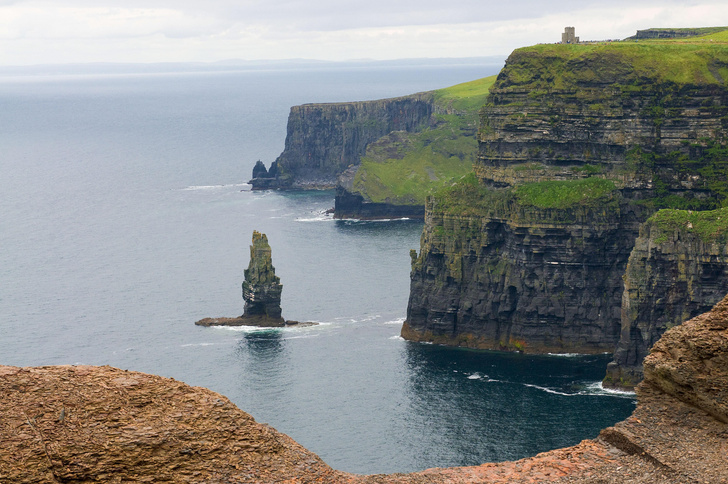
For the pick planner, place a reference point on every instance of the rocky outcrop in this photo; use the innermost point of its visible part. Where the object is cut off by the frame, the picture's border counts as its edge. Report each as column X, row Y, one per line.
column 323, row 140
column 348, row 205
column 261, row 291
column 677, row 270
column 560, row 114
column 261, row 287
column 100, row 424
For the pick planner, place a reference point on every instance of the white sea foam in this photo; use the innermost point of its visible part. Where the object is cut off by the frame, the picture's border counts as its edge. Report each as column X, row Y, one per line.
column 567, row 355
column 196, row 344
column 597, row 388
column 549, row 390
column 214, row 187
column 322, row 216
column 395, row 322
column 594, row 388
column 477, row 376
column 397, row 337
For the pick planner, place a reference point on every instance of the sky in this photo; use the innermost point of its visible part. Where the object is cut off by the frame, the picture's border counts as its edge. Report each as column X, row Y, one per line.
column 80, row 31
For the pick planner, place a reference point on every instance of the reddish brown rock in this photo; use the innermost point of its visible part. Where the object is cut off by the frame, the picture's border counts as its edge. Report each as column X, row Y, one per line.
column 100, row 424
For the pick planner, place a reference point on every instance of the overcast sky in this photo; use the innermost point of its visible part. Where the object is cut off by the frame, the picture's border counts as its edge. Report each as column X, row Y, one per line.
column 70, row 31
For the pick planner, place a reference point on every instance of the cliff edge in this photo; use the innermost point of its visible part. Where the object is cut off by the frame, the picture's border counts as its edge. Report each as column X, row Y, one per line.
column 100, row 424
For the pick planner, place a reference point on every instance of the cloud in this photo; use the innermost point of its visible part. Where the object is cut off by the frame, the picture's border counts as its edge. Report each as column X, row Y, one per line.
column 38, row 31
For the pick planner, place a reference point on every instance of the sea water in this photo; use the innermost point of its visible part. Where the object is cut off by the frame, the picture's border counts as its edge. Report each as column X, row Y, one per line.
column 125, row 217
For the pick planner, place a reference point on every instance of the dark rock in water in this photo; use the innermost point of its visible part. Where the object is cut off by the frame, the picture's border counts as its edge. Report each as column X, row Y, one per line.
column 261, row 292
column 264, row 179
column 262, row 288
column 259, row 170
column 353, row 205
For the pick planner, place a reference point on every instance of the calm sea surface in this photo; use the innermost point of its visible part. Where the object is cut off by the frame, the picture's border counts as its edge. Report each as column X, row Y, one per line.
column 125, row 217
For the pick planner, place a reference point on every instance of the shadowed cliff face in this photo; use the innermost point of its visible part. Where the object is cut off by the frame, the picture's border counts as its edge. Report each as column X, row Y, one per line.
column 674, row 273
column 525, row 279
column 100, row 424
column 323, row 140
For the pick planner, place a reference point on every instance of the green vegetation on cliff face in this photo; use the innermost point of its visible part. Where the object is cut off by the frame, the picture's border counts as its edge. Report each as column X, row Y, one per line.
column 710, row 226
column 578, row 145
column 650, row 114
column 402, row 168
column 468, row 197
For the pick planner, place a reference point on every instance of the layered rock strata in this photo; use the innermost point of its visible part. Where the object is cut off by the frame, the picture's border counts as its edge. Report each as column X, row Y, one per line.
column 323, row 140
column 261, row 291
column 677, row 270
column 100, row 424
column 649, row 118
column 522, row 278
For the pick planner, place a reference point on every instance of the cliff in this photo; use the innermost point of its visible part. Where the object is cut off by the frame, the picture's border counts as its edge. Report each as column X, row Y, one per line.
column 677, row 270
column 323, row 140
column 100, row 424
column 531, row 255
column 509, row 271
column 399, row 170
column 383, row 156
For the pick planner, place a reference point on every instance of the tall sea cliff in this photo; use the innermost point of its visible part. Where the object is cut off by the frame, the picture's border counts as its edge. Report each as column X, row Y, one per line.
column 578, row 146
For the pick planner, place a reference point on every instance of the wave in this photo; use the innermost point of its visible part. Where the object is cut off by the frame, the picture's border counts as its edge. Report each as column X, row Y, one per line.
column 214, row 187
column 593, row 389
column 374, row 221
column 568, row 355
column 196, row 344
column 322, row 216
column 397, row 337
column 395, row 322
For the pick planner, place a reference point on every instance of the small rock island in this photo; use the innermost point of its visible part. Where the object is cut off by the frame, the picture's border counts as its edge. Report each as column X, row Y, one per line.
column 261, row 291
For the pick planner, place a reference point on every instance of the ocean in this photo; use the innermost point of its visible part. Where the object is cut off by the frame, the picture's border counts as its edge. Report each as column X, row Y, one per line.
column 125, row 217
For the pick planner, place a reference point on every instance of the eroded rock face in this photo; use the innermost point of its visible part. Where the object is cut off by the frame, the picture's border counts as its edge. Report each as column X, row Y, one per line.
column 690, row 362
column 101, row 424
column 672, row 276
column 262, row 288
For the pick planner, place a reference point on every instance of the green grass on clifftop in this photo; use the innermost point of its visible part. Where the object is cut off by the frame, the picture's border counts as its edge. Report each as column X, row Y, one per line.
column 403, row 168
column 710, row 226
column 630, row 63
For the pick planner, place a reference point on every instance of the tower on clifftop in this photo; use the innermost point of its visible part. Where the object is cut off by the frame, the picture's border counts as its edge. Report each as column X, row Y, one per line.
column 569, row 36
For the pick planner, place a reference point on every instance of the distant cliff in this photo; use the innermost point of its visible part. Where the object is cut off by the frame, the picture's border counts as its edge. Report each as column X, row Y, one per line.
column 383, row 156
column 323, row 140
column 578, row 145
column 101, row 424
column 677, row 270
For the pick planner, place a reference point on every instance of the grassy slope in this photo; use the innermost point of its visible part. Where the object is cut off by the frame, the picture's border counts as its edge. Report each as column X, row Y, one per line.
column 405, row 167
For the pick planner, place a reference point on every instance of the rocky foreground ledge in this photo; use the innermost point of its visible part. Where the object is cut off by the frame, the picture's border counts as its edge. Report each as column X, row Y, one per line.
column 87, row 424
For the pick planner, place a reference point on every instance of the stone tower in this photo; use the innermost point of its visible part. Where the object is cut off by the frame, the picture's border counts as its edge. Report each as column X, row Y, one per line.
column 569, row 36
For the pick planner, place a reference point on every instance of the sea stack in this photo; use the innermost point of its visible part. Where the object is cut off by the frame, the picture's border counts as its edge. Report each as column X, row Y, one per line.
column 261, row 287
column 261, row 291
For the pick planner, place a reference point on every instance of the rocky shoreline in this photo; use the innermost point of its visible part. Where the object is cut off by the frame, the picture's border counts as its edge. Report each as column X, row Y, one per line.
column 101, row 424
